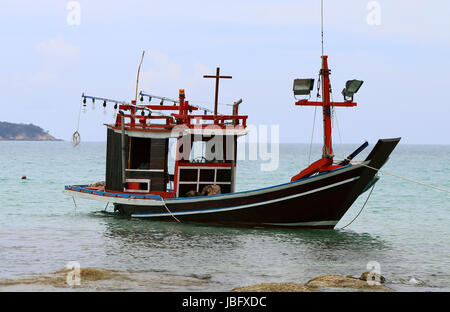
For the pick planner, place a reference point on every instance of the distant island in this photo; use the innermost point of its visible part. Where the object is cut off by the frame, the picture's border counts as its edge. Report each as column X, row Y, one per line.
column 22, row 132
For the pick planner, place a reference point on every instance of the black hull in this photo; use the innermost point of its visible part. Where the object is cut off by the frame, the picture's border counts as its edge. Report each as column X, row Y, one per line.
column 317, row 202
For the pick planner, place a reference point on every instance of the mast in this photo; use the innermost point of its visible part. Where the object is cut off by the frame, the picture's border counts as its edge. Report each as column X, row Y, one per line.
column 326, row 162
column 327, row 138
column 216, row 93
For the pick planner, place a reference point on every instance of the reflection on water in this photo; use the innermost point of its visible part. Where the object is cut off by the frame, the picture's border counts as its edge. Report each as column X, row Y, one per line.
column 235, row 256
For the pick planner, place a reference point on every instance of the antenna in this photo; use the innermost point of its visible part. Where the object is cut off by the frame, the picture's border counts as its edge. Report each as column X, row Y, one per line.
column 321, row 18
column 137, row 79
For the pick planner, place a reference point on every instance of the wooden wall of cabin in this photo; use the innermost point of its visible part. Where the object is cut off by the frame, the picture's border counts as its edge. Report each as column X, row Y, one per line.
column 146, row 154
column 114, row 160
column 150, row 154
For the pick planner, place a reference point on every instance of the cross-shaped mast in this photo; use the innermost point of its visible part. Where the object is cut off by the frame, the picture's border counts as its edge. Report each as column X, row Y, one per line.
column 217, row 76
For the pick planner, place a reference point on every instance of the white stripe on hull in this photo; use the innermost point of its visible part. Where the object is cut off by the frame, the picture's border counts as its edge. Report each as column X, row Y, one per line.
column 314, row 223
column 215, row 210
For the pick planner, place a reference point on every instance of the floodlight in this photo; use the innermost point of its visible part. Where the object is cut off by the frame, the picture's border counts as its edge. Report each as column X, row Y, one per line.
column 351, row 87
column 303, row 86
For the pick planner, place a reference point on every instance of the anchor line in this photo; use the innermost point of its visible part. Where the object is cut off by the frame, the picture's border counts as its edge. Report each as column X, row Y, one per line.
column 400, row 177
column 362, row 208
column 73, row 198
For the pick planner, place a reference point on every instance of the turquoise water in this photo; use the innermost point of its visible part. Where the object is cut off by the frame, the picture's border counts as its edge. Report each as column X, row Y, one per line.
column 405, row 227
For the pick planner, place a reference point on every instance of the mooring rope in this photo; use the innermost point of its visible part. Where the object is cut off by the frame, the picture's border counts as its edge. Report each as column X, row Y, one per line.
column 394, row 175
column 401, row 177
column 73, row 198
column 164, row 203
column 356, row 217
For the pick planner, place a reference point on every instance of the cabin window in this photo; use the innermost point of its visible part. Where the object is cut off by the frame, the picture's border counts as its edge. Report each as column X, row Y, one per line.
column 147, row 165
column 140, row 153
column 198, row 151
column 207, row 151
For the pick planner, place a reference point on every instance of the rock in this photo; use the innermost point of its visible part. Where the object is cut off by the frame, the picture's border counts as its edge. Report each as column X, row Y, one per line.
column 275, row 287
column 413, row 281
column 340, row 281
column 59, row 279
column 375, row 277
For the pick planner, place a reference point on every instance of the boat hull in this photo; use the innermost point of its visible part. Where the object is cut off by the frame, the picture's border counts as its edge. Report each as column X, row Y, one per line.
column 319, row 203
column 316, row 202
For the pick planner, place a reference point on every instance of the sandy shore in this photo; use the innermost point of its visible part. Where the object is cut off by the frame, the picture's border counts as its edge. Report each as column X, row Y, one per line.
column 92, row 279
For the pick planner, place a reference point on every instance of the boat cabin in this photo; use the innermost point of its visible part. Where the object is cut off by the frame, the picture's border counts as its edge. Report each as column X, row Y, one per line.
column 138, row 146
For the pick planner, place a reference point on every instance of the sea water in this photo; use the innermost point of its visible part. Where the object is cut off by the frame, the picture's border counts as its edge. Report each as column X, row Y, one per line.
column 404, row 227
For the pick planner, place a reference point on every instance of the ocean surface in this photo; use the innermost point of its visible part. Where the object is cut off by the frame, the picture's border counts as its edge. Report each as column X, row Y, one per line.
column 404, row 227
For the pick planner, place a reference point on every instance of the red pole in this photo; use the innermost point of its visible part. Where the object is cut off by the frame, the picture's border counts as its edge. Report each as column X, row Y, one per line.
column 327, row 144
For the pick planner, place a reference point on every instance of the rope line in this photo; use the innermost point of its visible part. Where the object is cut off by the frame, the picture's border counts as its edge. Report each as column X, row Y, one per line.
column 76, row 138
column 169, row 210
column 401, row 177
column 76, row 207
column 312, row 135
column 356, row 217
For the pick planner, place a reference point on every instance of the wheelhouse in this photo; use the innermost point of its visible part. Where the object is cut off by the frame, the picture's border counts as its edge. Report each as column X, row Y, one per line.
column 204, row 148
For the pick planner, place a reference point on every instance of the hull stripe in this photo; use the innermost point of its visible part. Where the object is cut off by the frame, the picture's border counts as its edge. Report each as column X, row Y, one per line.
column 214, row 210
column 313, row 223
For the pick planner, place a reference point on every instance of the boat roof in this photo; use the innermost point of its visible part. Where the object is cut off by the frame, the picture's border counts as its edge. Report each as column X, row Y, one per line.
column 176, row 119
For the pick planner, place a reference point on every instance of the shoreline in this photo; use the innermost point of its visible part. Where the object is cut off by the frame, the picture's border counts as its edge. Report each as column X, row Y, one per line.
column 94, row 279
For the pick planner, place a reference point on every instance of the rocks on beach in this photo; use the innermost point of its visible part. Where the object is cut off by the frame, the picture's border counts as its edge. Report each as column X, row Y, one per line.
column 276, row 287
column 323, row 282
column 93, row 279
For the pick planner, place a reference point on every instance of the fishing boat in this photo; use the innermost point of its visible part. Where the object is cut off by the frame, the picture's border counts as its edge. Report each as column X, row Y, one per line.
column 201, row 189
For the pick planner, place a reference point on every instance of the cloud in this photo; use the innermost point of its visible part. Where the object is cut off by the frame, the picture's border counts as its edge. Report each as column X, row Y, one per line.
column 163, row 76
column 57, row 47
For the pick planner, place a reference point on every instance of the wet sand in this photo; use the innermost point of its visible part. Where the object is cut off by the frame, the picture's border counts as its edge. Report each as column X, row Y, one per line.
column 93, row 279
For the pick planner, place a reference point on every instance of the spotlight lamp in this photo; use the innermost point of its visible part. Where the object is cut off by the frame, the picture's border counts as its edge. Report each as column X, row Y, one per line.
column 351, row 87
column 303, row 86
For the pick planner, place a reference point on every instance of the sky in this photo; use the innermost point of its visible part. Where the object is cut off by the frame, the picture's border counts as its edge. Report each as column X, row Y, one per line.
column 54, row 50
